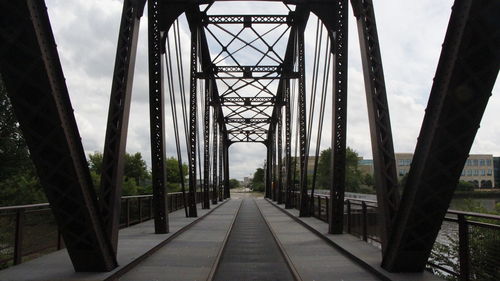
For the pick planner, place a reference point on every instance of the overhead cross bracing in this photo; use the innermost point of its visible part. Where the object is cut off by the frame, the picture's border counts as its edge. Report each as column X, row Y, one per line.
column 248, row 54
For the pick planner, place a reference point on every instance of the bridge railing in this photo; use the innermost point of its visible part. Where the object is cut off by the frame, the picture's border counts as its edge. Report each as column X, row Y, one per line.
column 467, row 248
column 29, row 231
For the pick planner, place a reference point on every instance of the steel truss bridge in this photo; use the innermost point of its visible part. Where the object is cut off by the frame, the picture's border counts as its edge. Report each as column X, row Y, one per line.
column 246, row 100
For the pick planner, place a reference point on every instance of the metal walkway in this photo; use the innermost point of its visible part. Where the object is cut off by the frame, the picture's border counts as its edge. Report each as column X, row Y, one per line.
column 251, row 252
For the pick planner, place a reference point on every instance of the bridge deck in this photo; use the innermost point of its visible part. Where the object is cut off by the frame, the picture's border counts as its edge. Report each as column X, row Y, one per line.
column 246, row 238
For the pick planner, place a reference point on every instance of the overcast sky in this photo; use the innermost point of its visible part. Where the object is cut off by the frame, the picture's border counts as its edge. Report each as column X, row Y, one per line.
column 410, row 34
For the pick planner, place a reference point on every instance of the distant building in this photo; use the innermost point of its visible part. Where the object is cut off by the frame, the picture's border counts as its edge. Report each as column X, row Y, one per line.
column 478, row 169
column 496, row 170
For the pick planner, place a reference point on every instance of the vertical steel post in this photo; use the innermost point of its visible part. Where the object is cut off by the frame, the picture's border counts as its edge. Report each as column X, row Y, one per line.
column 273, row 166
column 288, row 147
column 118, row 117
column 193, row 123
column 268, row 169
column 221, row 166
column 214, row 159
column 157, row 122
column 18, row 240
column 304, row 198
column 339, row 121
column 384, row 163
column 226, row 168
column 280, row 149
column 206, row 147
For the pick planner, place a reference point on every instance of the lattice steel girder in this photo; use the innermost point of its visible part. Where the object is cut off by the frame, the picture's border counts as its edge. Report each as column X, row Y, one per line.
column 118, row 117
column 34, row 81
column 465, row 76
column 247, row 120
column 248, row 20
column 337, row 188
column 248, row 101
column 384, row 163
column 156, row 119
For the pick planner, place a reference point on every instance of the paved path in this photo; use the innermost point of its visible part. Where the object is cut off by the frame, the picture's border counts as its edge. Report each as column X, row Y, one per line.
column 192, row 254
column 313, row 258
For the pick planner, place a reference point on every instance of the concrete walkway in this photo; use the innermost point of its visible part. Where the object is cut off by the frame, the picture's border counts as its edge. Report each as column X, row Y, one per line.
column 312, row 257
column 191, row 255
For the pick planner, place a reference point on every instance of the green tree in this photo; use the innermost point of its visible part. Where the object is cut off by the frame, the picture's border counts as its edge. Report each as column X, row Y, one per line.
column 137, row 179
column 465, row 186
column 135, row 168
column 258, row 180
column 353, row 175
column 368, row 180
column 173, row 173
column 234, row 183
column 324, row 176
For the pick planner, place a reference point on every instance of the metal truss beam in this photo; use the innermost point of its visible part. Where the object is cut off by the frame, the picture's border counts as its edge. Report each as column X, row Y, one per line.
column 157, row 122
column 35, row 83
column 248, row 101
column 337, row 188
column 118, row 117
column 247, row 20
column 247, row 120
column 465, row 76
column 384, row 163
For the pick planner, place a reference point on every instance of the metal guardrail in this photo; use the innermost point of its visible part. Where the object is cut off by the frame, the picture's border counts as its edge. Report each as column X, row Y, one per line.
column 29, row 231
column 472, row 239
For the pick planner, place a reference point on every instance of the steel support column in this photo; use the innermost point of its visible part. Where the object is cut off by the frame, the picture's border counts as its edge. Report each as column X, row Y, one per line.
column 280, row 162
column 274, row 170
column 34, row 80
column 288, row 147
column 268, row 170
column 304, row 198
column 226, row 168
column 157, row 122
column 384, row 163
column 214, row 159
column 193, row 123
column 118, row 117
column 465, row 76
column 221, row 165
column 337, row 188
column 206, row 148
